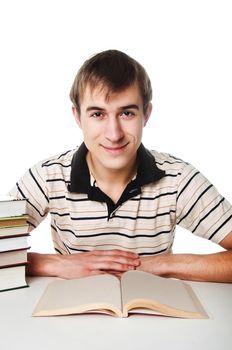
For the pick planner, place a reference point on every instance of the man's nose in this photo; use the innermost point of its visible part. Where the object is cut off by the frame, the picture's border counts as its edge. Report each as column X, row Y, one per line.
column 113, row 129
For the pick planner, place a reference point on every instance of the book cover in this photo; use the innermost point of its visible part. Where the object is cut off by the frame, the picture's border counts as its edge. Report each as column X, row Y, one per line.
column 13, row 221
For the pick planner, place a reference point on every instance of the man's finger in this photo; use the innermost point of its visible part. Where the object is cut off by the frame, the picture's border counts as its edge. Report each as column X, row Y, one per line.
column 116, row 252
column 116, row 259
column 110, row 265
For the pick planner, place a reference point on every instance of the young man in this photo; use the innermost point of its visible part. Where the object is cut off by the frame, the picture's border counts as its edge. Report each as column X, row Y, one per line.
column 114, row 205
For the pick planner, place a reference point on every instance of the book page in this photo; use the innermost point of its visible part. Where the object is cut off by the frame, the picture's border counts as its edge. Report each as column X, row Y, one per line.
column 166, row 296
column 88, row 294
column 10, row 206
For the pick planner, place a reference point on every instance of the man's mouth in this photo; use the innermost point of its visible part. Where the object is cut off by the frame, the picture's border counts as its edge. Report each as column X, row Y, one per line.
column 115, row 149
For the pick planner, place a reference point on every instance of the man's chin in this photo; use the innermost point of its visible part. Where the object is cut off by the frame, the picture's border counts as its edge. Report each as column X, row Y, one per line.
column 115, row 165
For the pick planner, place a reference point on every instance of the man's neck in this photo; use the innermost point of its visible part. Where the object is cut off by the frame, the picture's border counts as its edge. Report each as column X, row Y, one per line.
column 107, row 177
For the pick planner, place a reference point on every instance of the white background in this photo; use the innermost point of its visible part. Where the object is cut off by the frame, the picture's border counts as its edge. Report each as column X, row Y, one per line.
column 186, row 48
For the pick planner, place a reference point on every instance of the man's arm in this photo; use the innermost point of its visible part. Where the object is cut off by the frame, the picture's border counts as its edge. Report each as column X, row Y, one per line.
column 215, row 267
column 82, row 264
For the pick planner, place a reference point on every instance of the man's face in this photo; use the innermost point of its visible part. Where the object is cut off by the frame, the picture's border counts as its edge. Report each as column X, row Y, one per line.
column 112, row 127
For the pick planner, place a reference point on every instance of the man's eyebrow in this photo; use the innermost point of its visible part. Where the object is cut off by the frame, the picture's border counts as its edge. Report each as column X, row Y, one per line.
column 97, row 108
column 94, row 108
column 132, row 106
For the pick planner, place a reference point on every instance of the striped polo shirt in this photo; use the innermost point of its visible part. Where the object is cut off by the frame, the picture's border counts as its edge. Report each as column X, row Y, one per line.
column 165, row 192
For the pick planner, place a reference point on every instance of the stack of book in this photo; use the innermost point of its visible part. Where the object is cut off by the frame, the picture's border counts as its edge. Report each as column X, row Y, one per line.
column 13, row 243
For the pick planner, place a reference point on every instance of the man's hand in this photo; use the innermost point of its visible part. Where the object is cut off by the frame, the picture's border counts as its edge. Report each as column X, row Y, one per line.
column 82, row 264
column 155, row 264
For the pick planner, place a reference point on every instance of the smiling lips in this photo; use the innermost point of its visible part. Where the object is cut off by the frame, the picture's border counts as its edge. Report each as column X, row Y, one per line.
column 117, row 149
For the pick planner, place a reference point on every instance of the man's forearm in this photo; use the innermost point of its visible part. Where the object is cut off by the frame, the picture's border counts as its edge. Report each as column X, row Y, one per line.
column 215, row 267
column 42, row 264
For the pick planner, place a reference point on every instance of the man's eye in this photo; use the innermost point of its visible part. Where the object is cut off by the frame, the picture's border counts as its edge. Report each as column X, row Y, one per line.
column 127, row 114
column 96, row 115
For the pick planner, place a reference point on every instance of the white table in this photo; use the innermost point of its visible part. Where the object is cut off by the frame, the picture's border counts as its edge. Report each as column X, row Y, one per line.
column 18, row 330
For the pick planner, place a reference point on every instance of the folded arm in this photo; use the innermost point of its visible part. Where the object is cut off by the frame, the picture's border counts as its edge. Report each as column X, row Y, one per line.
column 215, row 267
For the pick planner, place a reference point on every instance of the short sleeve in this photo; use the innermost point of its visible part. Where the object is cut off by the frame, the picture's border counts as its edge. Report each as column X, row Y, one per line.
column 32, row 186
column 201, row 208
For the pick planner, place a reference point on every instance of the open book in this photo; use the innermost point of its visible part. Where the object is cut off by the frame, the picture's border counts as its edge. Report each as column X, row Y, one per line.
column 136, row 292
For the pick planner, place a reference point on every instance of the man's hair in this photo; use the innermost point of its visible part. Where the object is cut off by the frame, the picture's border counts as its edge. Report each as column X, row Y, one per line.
column 113, row 71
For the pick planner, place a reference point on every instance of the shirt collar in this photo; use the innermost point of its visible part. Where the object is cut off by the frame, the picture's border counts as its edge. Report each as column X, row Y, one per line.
column 80, row 180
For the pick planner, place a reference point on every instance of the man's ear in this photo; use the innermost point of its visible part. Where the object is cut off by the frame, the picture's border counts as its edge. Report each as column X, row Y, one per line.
column 76, row 116
column 148, row 113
